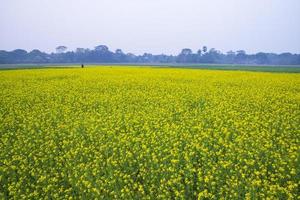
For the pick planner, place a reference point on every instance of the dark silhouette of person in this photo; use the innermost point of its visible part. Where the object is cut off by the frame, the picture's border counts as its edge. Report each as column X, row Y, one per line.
column 82, row 66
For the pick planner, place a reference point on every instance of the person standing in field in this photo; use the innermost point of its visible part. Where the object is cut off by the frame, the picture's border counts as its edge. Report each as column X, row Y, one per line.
column 82, row 66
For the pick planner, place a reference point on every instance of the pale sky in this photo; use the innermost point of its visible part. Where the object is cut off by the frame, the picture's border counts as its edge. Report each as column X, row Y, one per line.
column 154, row 26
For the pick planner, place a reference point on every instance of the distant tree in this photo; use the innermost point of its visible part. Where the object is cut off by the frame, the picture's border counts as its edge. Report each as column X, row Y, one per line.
column 36, row 56
column 186, row 51
column 199, row 52
column 61, row 49
column 19, row 52
column 204, row 49
column 80, row 50
column 241, row 57
column 81, row 55
column 230, row 53
column 212, row 56
column 36, row 52
column 213, row 50
column 241, row 52
column 5, row 57
column 185, row 56
column 119, row 56
column 130, row 57
column 147, row 57
column 261, row 58
column 119, row 51
column 199, row 56
column 19, row 55
column 102, row 54
column 288, row 59
column 229, row 57
column 101, row 48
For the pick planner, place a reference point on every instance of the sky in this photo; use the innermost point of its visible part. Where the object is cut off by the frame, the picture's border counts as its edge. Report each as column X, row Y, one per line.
column 154, row 26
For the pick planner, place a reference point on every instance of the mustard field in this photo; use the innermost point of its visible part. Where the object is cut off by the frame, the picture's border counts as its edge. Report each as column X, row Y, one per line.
column 149, row 133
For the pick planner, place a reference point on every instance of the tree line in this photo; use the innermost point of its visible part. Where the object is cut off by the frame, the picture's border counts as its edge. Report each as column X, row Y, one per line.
column 102, row 54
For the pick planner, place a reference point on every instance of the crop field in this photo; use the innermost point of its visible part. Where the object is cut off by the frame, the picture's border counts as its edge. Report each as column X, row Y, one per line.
column 149, row 133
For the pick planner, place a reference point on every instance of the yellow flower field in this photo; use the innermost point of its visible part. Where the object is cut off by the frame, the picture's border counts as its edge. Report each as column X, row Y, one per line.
column 149, row 133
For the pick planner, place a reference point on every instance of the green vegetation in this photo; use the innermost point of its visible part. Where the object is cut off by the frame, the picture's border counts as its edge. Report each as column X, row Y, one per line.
column 264, row 68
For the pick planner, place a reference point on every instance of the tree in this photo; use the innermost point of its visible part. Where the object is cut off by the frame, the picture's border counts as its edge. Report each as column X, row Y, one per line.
column 130, row 57
column 186, row 51
column 19, row 52
column 230, row 57
column 80, row 50
column 199, row 56
column 212, row 56
column 5, row 57
column 213, row 50
column 119, row 56
column 101, row 54
column 199, row 52
column 241, row 57
column 261, row 58
column 230, row 53
column 101, row 48
column 241, row 52
column 119, row 51
column 19, row 55
column 186, row 56
column 36, row 52
column 204, row 49
column 61, row 49
column 36, row 56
